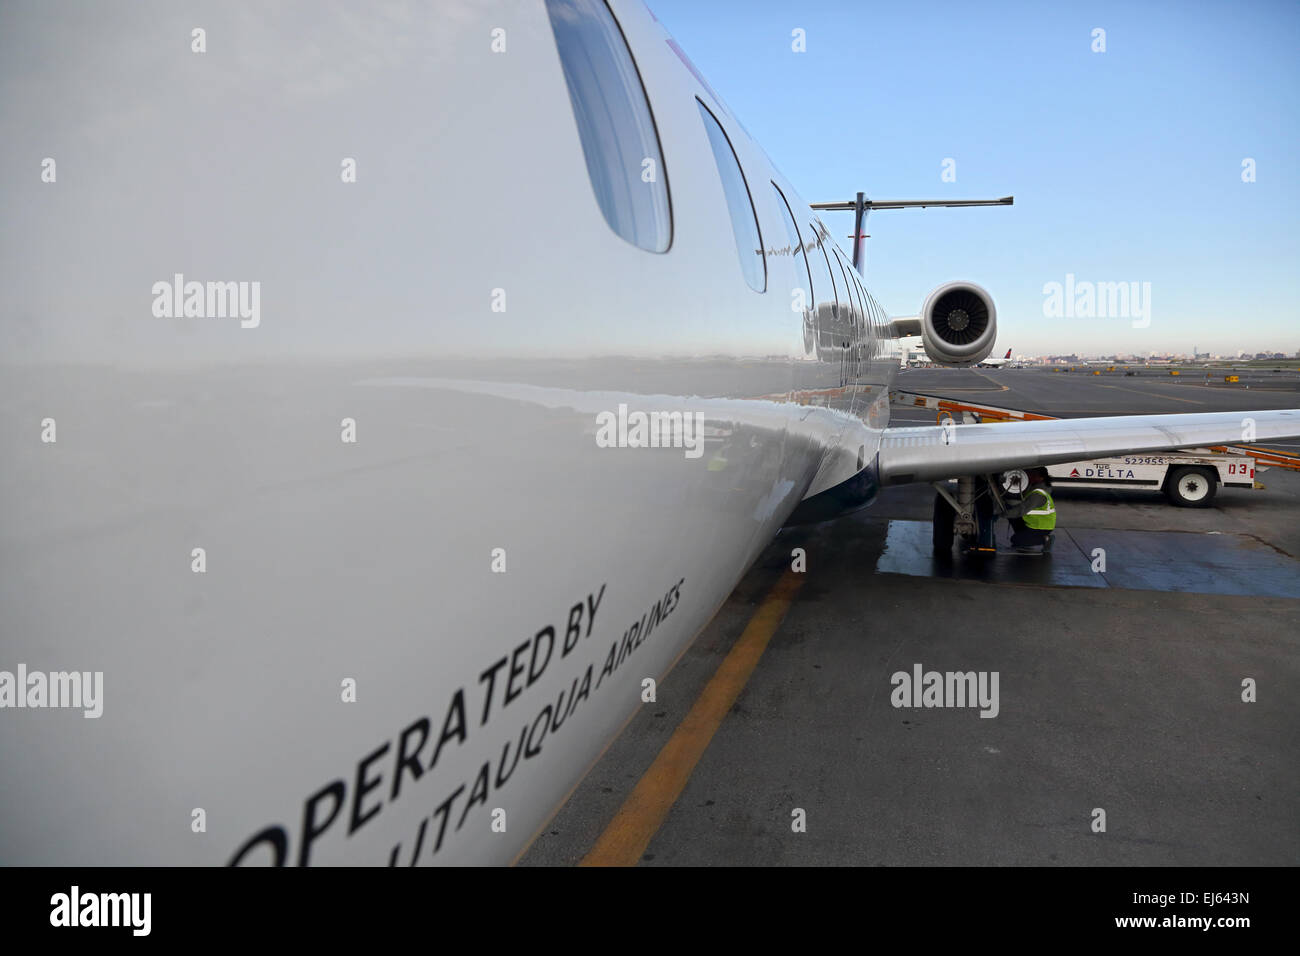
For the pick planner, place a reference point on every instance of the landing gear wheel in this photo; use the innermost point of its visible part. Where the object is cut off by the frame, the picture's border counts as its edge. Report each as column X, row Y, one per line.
column 944, row 517
column 1191, row 487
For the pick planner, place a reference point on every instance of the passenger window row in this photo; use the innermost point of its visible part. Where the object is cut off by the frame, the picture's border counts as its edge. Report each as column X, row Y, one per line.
column 625, row 165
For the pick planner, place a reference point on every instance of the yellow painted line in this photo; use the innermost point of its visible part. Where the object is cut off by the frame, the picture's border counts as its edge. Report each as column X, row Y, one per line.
column 1000, row 388
column 644, row 811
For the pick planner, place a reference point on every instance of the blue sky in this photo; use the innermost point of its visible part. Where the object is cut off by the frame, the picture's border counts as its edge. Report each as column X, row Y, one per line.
column 1126, row 165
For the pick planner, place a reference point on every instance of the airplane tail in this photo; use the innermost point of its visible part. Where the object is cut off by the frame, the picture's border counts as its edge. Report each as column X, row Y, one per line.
column 1008, row 355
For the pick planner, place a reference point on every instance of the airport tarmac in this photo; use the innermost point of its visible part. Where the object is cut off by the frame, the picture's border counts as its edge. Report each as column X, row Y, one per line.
column 1118, row 690
column 1082, row 394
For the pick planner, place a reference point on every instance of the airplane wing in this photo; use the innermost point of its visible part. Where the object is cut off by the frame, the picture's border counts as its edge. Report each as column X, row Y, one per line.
column 936, row 452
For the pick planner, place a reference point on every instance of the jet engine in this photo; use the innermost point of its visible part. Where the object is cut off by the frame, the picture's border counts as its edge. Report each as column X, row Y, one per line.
column 958, row 324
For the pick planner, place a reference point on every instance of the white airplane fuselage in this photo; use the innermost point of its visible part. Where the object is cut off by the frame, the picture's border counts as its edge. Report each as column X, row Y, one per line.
column 409, row 629
column 384, row 403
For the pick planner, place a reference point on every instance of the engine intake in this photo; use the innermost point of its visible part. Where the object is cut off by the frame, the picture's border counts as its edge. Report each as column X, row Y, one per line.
column 959, row 324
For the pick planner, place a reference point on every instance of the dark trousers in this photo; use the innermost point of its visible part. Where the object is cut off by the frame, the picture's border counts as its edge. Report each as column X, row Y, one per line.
column 1022, row 536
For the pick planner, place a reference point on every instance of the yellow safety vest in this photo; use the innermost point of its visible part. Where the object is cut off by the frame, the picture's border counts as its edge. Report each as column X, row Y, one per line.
column 1042, row 518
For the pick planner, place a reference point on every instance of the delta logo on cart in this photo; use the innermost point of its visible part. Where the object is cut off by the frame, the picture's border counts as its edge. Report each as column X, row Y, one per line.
column 1102, row 471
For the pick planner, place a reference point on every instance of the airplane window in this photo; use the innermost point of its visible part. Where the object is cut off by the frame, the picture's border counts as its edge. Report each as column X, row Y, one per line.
column 825, row 317
column 866, row 327
column 877, row 312
column 744, row 221
column 865, row 315
column 864, row 307
column 868, row 314
column 797, row 252
column 820, row 238
column 855, row 306
column 614, row 122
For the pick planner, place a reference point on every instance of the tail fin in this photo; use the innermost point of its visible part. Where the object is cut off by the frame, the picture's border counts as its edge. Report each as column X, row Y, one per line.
column 1008, row 355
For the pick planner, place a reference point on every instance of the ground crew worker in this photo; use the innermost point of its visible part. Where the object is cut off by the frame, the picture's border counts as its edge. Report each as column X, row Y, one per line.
column 1033, row 519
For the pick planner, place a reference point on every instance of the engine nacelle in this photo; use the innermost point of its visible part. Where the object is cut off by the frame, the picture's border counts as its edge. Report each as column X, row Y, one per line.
column 959, row 324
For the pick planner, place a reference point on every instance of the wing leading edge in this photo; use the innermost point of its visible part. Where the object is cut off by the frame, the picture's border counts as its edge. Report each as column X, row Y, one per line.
column 934, row 452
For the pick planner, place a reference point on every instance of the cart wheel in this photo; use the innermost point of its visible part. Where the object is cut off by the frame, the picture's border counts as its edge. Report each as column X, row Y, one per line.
column 1191, row 487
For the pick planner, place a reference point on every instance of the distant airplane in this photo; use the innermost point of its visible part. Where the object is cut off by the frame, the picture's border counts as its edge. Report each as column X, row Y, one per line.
column 376, row 578
column 996, row 362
